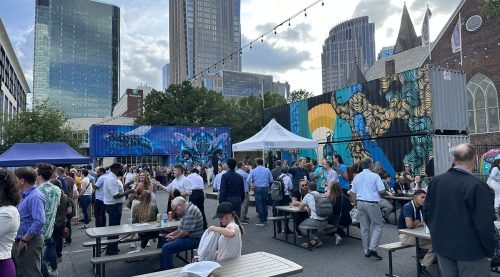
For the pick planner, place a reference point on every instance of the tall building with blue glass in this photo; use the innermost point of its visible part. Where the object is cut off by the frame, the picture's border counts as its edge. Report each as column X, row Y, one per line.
column 77, row 56
column 202, row 33
column 347, row 42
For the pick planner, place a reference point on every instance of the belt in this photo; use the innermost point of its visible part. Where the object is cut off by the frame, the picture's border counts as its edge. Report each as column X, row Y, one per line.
column 373, row 202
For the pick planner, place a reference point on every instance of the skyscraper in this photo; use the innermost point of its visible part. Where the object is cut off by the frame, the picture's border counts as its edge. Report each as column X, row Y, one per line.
column 77, row 56
column 202, row 33
column 165, row 76
column 347, row 42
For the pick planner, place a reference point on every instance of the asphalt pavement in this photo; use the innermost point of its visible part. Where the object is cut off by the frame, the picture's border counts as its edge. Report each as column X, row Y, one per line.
column 346, row 259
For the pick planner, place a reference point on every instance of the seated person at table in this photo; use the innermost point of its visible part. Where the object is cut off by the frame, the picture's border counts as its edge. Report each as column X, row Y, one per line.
column 188, row 234
column 309, row 204
column 296, row 201
column 385, row 205
column 341, row 208
column 229, row 244
column 411, row 217
column 400, row 187
column 143, row 212
column 417, row 183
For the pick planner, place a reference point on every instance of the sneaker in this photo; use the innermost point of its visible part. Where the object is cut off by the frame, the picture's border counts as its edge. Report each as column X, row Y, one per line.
column 316, row 243
column 53, row 272
column 148, row 245
column 299, row 234
column 260, row 224
column 375, row 255
column 244, row 222
column 138, row 250
column 338, row 239
column 133, row 245
column 246, row 219
column 306, row 245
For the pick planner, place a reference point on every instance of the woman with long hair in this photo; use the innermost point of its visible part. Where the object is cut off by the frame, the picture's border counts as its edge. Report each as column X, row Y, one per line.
column 494, row 182
column 341, row 208
column 9, row 220
column 143, row 212
column 142, row 184
column 229, row 244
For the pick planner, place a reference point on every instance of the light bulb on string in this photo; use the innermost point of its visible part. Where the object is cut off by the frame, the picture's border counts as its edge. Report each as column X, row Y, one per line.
column 289, row 24
column 322, row 3
column 305, row 12
column 250, row 46
column 262, row 39
column 222, row 62
column 275, row 33
column 231, row 57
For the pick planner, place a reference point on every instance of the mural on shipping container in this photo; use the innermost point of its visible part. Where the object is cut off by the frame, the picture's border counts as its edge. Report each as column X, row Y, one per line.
column 190, row 145
column 487, row 159
column 387, row 119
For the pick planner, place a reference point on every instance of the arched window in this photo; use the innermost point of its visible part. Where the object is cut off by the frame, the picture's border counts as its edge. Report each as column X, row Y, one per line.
column 482, row 105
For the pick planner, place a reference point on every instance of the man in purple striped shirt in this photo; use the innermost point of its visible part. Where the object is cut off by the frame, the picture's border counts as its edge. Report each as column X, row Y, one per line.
column 27, row 249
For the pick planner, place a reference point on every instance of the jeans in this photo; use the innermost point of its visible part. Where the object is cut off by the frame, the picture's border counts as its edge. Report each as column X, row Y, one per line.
column 236, row 201
column 84, row 203
column 115, row 215
column 261, row 202
column 49, row 253
column 176, row 246
column 99, row 213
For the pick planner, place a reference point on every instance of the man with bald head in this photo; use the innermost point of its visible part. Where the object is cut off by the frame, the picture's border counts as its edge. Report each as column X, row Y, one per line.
column 459, row 213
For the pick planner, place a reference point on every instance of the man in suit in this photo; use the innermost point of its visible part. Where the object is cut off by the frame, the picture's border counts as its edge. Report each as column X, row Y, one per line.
column 459, row 213
column 232, row 187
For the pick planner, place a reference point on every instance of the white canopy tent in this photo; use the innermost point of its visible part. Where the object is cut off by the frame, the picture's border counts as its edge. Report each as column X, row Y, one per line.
column 274, row 137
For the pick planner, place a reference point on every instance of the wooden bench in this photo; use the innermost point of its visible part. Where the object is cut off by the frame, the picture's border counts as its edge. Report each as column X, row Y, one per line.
column 275, row 220
column 391, row 247
column 103, row 260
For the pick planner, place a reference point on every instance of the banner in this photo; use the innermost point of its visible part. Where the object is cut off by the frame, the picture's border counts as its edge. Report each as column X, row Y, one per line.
column 456, row 37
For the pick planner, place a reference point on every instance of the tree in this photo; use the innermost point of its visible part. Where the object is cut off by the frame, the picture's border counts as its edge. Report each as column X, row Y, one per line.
column 42, row 124
column 300, row 94
column 491, row 8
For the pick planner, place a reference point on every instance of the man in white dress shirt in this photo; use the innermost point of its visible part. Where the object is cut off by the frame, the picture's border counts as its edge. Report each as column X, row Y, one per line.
column 366, row 190
column 197, row 194
column 180, row 186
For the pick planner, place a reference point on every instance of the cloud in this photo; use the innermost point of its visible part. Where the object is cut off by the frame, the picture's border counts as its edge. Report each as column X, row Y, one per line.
column 436, row 7
column 267, row 57
column 23, row 42
column 299, row 32
column 377, row 10
column 390, row 32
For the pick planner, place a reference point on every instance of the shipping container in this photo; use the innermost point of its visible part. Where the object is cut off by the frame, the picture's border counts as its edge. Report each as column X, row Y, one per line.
column 449, row 101
column 442, row 148
column 186, row 145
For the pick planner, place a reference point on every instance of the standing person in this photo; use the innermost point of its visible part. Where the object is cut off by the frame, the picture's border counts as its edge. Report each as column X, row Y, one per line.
column 73, row 199
column 341, row 169
column 197, row 194
column 188, row 233
column 52, row 196
column 130, row 176
column 85, row 197
column 218, row 177
column 277, row 170
column 99, row 207
column 9, row 220
column 494, row 183
column 244, row 206
column 324, row 175
column 232, row 187
column 366, row 190
column 385, row 205
column 299, row 173
column 261, row 178
column 27, row 249
column 410, row 218
column 60, row 176
column 229, row 244
column 180, row 184
column 113, row 199
column 459, row 213
column 287, row 188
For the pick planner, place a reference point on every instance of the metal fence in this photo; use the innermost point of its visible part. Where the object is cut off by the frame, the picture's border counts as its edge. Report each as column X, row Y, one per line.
column 483, row 148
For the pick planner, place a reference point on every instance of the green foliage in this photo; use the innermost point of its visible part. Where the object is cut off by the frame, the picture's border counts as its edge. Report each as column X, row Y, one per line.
column 300, row 94
column 185, row 105
column 43, row 124
column 491, row 8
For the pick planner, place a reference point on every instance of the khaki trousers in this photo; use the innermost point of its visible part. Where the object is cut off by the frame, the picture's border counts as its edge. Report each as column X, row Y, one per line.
column 423, row 243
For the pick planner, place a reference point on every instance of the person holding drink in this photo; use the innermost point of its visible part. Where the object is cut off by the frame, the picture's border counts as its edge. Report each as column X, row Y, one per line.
column 324, row 175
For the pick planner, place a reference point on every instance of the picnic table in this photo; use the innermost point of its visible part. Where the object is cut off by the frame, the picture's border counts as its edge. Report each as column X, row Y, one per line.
column 419, row 233
column 294, row 210
column 101, row 232
column 260, row 264
column 394, row 200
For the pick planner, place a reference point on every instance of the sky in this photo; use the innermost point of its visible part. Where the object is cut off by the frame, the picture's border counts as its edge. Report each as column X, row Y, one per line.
column 293, row 55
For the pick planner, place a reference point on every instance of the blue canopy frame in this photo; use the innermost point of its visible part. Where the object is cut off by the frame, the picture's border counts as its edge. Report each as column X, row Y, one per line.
column 29, row 154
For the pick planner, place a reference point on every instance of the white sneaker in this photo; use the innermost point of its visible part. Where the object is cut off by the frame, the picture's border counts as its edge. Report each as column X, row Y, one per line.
column 53, row 272
column 133, row 245
column 137, row 250
column 148, row 245
column 338, row 239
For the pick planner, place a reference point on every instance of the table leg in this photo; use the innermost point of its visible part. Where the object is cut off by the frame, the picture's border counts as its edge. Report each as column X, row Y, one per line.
column 294, row 228
column 395, row 211
column 285, row 226
column 417, row 247
column 98, row 254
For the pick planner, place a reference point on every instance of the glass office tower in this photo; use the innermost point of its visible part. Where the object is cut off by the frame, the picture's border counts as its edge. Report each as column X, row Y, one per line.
column 202, row 33
column 77, row 56
column 346, row 42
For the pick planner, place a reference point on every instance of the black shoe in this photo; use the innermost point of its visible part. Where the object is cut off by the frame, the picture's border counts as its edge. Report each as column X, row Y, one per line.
column 424, row 272
column 111, row 253
column 368, row 255
column 375, row 255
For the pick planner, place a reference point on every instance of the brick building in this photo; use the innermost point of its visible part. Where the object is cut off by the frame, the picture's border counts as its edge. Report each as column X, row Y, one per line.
column 481, row 63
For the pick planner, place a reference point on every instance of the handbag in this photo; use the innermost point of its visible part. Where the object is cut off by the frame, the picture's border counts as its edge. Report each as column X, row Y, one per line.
column 65, row 233
column 354, row 215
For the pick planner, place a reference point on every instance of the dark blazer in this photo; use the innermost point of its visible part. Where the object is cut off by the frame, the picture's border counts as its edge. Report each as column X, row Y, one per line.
column 231, row 185
column 459, row 213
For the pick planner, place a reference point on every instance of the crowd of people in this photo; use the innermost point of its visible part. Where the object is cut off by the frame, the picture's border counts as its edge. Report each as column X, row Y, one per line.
column 40, row 206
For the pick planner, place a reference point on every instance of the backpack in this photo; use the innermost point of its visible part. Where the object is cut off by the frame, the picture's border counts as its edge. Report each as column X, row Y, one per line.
column 324, row 207
column 277, row 189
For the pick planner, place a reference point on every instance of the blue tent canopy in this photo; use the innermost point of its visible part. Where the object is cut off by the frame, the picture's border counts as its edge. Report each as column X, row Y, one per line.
column 29, row 154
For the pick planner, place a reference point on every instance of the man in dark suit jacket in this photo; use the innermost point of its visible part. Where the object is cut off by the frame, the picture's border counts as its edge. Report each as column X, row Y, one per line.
column 459, row 213
column 276, row 172
column 232, row 187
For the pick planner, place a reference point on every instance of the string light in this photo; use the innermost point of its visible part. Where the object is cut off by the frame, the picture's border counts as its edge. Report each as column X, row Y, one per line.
column 275, row 33
column 262, row 39
column 322, row 3
column 291, row 25
column 305, row 12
